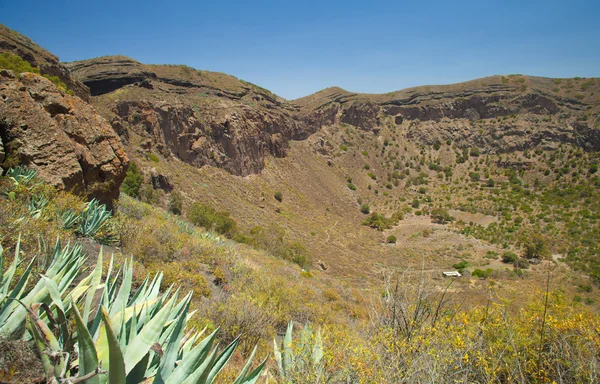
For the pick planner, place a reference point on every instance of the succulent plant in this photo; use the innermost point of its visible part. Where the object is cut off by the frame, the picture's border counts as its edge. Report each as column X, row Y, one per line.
column 128, row 337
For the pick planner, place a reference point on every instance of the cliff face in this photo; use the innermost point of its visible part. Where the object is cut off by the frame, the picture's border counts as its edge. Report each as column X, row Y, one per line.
column 207, row 118
column 497, row 114
column 202, row 118
column 60, row 136
column 48, row 64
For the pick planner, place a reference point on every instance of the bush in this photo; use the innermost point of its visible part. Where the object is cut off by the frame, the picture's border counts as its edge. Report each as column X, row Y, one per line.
column 351, row 186
column 521, row 263
column 133, row 180
column 391, row 239
column 509, row 257
column 152, row 157
column 535, row 247
column 441, row 216
column 278, row 196
column 484, row 274
column 206, row 216
column 461, row 266
column 377, row 221
column 364, row 208
column 175, row 203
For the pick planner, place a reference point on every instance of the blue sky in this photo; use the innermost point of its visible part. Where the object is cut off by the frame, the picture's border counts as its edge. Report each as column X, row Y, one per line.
column 297, row 48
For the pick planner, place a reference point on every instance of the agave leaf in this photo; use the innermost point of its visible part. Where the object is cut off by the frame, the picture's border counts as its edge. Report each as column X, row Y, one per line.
column 222, row 360
column 241, row 377
column 254, row 375
column 151, row 331
column 124, row 290
column 96, row 277
column 288, row 355
column 10, row 272
column 140, row 292
column 88, row 357
column 116, row 373
column 192, row 360
column 137, row 374
column 201, row 373
column 167, row 364
column 19, row 288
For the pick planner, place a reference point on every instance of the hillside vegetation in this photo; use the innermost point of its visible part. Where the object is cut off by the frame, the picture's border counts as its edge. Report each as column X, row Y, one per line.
column 247, row 238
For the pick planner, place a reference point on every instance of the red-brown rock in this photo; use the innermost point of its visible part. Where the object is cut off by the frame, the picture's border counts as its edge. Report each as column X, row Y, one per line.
column 60, row 136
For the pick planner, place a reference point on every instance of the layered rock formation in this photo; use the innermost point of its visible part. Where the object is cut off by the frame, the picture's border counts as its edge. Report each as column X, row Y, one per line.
column 498, row 113
column 48, row 64
column 202, row 118
column 60, row 136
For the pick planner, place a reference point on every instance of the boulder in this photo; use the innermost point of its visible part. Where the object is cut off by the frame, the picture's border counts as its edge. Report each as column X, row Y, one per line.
column 60, row 136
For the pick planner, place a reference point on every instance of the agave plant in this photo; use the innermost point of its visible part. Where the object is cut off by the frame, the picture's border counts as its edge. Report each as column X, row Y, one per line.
column 36, row 205
column 67, row 219
column 21, row 174
column 65, row 266
column 126, row 338
column 301, row 359
column 93, row 217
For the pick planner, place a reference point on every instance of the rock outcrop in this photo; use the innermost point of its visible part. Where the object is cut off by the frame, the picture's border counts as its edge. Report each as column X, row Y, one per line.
column 199, row 117
column 497, row 114
column 106, row 74
column 60, row 136
column 48, row 64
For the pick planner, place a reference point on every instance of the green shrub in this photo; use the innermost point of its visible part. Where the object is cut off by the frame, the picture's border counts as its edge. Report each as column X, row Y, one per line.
column 391, row 239
column 509, row 257
column 206, row 216
column 461, row 266
column 535, row 247
column 377, row 221
column 364, row 208
column 16, row 64
column 521, row 263
column 441, row 216
column 175, row 203
column 278, row 196
column 133, row 180
column 475, row 176
column 491, row 255
column 484, row 274
column 352, row 186
column 152, row 157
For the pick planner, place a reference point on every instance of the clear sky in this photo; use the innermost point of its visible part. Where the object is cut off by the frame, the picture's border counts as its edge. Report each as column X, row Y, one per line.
column 295, row 48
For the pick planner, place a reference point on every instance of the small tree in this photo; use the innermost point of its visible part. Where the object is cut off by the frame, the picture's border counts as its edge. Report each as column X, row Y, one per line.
column 441, row 216
column 509, row 257
column 364, row 208
column 175, row 203
column 133, row 180
column 391, row 239
column 535, row 247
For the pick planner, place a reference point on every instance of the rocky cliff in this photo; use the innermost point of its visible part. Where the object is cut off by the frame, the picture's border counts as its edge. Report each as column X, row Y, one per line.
column 499, row 113
column 48, row 64
column 202, row 118
column 60, row 136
